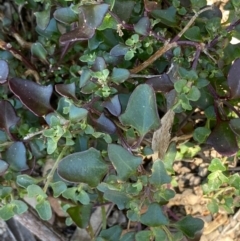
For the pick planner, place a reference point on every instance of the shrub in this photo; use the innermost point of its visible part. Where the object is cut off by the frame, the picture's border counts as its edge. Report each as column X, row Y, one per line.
column 85, row 85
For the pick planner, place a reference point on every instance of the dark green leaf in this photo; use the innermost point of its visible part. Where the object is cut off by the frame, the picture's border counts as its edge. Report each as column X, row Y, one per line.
column 34, row 96
column 143, row 235
column 154, row 216
column 159, row 234
column 123, row 9
column 65, row 15
column 124, row 162
column 167, row 16
column 235, row 125
column 193, row 34
column 86, row 166
column 119, row 50
column 111, row 234
column 94, row 14
column 43, row 18
column 189, row 225
column 77, row 113
column 117, row 197
column 40, row 52
column 223, row 139
column 15, row 156
column 80, row 215
column 169, row 157
column 120, row 75
column 4, row 71
column 141, row 112
column 130, row 236
column 200, row 134
column 159, row 175
column 143, row 26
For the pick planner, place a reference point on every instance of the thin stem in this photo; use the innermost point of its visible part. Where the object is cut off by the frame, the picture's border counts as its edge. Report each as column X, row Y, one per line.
column 192, row 20
column 231, row 107
column 167, row 46
column 196, row 57
column 31, row 135
column 51, row 173
column 144, row 76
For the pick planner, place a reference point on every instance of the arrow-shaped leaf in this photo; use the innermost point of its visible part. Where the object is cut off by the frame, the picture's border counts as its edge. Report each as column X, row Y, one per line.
column 34, row 96
column 141, row 112
column 124, row 162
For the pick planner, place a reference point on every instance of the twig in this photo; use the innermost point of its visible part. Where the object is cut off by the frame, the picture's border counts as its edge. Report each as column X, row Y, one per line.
column 168, row 45
column 192, row 20
column 38, row 227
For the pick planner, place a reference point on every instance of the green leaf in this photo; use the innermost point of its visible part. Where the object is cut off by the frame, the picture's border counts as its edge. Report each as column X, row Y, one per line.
column 194, row 94
column 197, row 4
column 121, row 199
column 167, row 16
column 154, row 216
column 39, row 51
column 3, row 167
column 169, row 157
column 111, row 234
column 65, row 15
column 108, row 22
column 235, row 125
column 193, row 34
column 34, row 191
column 159, row 175
column 94, row 14
column 44, row 210
column 216, row 165
column 179, row 85
column 58, row 188
column 16, row 156
column 6, row 212
column 119, row 75
column 143, row 235
column 87, row 167
column 19, row 206
column 130, row 236
column 77, row 114
column 200, row 134
column 83, row 197
column 80, row 215
column 189, row 225
column 70, row 193
column 43, row 18
column 213, row 206
column 159, row 234
column 25, row 180
column 143, row 26
column 124, row 162
column 141, row 112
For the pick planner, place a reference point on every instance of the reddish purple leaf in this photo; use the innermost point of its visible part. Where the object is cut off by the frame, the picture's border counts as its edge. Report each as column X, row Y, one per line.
column 223, row 139
column 8, row 117
column 161, row 83
column 234, row 79
column 4, row 71
column 34, row 96
column 81, row 33
column 66, row 90
column 99, row 64
column 113, row 106
column 105, row 124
